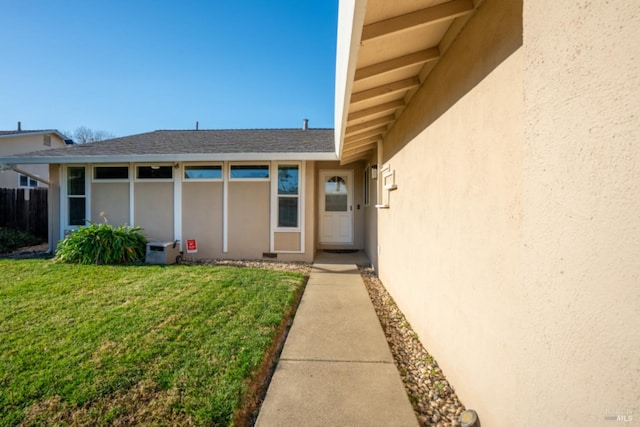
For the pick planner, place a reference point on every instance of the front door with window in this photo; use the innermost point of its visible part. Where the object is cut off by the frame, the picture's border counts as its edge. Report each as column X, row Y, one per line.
column 336, row 206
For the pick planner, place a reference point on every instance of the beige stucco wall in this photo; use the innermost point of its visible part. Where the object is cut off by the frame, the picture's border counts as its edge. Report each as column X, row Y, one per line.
column 53, row 200
column 202, row 217
column 110, row 201
column 286, row 241
column 153, row 206
column 511, row 243
column 580, row 339
column 450, row 243
column 249, row 204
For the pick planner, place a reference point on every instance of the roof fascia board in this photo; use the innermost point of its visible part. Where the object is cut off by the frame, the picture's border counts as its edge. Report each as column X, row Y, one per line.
column 29, row 133
column 141, row 158
column 351, row 15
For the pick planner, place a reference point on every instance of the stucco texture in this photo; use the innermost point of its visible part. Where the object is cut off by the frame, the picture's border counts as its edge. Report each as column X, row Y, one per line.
column 511, row 242
column 449, row 244
column 581, row 227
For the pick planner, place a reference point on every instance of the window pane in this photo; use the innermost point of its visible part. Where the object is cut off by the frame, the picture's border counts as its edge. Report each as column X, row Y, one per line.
column 249, row 171
column 155, row 172
column 24, row 181
column 335, row 203
column 76, row 211
column 33, row 183
column 287, row 211
column 335, row 185
column 288, row 179
column 111, row 172
column 203, row 172
column 75, row 184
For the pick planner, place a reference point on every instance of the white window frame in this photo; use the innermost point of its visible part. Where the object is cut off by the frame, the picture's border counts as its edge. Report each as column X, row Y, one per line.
column 301, row 206
column 105, row 181
column 64, row 197
column 29, row 181
column 151, row 165
column 219, row 164
column 267, row 164
column 276, row 197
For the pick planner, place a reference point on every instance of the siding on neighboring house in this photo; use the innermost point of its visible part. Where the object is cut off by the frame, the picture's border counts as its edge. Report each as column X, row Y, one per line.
column 25, row 142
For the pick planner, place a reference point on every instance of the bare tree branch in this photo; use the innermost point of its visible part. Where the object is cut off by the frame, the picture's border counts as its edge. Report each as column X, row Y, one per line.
column 83, row 134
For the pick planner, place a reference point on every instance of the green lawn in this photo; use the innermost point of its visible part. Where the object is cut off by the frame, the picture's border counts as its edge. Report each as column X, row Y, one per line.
column 100, row 345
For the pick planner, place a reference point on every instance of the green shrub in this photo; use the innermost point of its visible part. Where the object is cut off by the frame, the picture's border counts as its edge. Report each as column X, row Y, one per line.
column 102, row 244
column 11, row 239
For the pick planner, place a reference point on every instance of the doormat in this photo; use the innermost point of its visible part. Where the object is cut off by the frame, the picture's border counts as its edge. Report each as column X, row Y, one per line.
column 340, row 251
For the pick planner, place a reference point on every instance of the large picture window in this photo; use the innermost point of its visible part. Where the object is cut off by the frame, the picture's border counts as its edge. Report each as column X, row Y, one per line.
column 288, row 195
column 76, row 195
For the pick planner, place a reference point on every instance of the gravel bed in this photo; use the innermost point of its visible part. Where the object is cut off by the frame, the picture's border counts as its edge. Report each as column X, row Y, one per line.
column 298, row 267
column 433, row 398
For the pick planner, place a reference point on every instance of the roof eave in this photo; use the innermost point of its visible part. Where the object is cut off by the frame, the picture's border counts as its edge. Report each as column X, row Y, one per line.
column 29, row 133
column 153, row 158
column 351, row 15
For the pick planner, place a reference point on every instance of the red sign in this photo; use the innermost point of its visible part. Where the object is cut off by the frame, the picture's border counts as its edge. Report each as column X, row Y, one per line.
column 192, row 246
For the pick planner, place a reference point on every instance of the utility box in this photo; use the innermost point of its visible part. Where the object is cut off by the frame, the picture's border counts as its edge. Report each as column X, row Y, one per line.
column 162, row 252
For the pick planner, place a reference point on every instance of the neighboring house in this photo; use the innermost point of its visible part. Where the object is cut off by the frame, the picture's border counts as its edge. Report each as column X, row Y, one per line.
column 486, row 158
column 26, row 141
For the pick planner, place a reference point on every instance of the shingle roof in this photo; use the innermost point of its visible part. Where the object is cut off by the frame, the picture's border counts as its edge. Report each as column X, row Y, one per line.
column 185, row 145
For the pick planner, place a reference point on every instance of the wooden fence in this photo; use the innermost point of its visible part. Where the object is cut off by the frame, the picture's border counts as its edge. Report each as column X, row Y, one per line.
column 25, row 210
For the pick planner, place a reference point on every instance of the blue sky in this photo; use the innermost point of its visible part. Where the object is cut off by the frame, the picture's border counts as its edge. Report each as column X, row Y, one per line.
column 135, row 66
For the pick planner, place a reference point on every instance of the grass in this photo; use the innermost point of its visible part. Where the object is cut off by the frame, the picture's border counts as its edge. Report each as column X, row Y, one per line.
column 101, row 345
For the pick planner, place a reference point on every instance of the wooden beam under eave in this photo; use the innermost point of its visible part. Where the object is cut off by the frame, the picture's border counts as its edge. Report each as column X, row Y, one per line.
column 363, row 155
column 430, row 15
column 349, row 150
column 370, row 124
column 382, row 108
column 377, row 131
column 389, row 88
column 362, row 142
column 399, row 63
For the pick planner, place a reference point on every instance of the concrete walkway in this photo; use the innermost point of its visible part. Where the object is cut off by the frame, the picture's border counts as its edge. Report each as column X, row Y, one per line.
column 336, row 368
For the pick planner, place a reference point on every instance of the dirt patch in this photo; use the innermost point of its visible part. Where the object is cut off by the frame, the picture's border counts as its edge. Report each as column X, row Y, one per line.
column 39, row 251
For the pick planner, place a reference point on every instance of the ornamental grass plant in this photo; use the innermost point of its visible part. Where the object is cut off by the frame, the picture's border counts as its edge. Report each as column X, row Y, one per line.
column 102, row 244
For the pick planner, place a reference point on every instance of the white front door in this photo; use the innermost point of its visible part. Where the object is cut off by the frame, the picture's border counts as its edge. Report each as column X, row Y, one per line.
column 336, row 206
